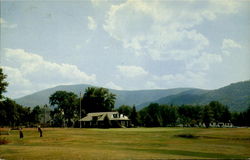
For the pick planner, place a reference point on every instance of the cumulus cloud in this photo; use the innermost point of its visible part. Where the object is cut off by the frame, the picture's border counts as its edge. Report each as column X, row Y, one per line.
column 229, row 43
column 203, row 62
column 158, row 28
column 31, row 72
column 187, row 79
column 5, row 24
column 98, row 2
column 132, row 71
column 91, row 23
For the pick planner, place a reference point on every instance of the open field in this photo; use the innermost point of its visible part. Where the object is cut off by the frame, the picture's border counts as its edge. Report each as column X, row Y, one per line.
column 128, row 143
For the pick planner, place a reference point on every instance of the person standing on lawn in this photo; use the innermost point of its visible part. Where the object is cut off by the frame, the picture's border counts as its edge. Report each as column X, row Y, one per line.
column 40, row 131
column 20, row 133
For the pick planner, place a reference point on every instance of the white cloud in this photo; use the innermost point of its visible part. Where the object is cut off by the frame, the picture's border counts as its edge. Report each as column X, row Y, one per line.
column 132, row 71
column 229, row 43
column 203, row 62
column 185, row 79
column 31, row 72
column 112, row 85
column 5, row 24
column 164, row 29
column 91, row 23
column 15, row 77
column 98, row 2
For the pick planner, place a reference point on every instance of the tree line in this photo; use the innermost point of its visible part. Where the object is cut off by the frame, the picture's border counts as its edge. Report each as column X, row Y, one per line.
column 13, row 114
column 156, row 115
column 65, row 112
column 67, row 108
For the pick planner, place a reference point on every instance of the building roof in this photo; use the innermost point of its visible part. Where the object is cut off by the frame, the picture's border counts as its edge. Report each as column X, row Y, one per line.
column 101, row 115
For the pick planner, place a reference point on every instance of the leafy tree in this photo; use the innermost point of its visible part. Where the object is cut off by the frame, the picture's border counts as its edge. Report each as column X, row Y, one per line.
column 150, row 116
column 169, row 115
column 45, row 114
column 154, row 112
column 24, row 115
column 190, row 115
column 13, row 114
column 3, row 83
column 124, row 109
column 3, row 114
column 207, row 115
column 35, row 115
column 247, row 115
column 57, row 117
column 134, row 117
column 142, row 116
column 98, row 100
column 242, row 118
column 226, row 115
column 220, row 112
column 11, row 110
column 66, row 104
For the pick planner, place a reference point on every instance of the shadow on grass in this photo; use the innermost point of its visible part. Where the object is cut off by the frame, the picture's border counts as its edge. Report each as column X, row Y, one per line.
column 190, row 153
column 187, row 136
column 191, row 136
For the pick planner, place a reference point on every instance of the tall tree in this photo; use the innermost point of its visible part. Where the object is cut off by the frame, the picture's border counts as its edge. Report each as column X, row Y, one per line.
column 3, row 115
column 35, row 115
column 98, row 100
column 125, row 109
column 133, row 116
column 220, row 112
column 66, row 104
column 3, row 83
column 190, row 115
column 150, row 116
column 169, row 115
column 207, row 115
column 12, row 114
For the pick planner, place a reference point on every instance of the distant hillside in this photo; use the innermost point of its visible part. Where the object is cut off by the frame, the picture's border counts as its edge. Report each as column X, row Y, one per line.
column 186, row 97
column 123, row 96
column 42, row 97
column 236, row 96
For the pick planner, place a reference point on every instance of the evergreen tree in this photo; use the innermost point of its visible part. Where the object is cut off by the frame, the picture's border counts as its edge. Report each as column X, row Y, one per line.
column 207, row 115
column 134, row 117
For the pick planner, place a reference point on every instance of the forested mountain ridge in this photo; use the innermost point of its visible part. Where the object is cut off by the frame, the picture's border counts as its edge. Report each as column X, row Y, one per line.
column 236, row 96
column 123, row 97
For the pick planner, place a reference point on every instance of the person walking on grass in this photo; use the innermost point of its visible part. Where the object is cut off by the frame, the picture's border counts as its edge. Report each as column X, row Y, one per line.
column 20, row 133
column 40, row 131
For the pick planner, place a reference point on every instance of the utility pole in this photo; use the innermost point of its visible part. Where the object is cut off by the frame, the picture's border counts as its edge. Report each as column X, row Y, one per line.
column 80, row 110
column 45, row 114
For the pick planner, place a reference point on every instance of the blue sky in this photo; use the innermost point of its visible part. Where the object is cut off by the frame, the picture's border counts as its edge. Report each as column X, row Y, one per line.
column 124, row 44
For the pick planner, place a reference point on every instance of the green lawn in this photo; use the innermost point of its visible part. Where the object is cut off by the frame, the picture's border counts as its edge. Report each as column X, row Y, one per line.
column 128, row 143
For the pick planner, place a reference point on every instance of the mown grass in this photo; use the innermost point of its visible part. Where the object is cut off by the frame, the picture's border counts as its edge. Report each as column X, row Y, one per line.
column 128, row 143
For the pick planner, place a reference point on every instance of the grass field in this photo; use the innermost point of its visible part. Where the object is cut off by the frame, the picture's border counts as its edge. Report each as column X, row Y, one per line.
column 128, row 143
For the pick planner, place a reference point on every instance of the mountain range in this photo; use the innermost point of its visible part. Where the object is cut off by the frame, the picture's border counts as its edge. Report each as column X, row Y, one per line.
column 236, row 96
